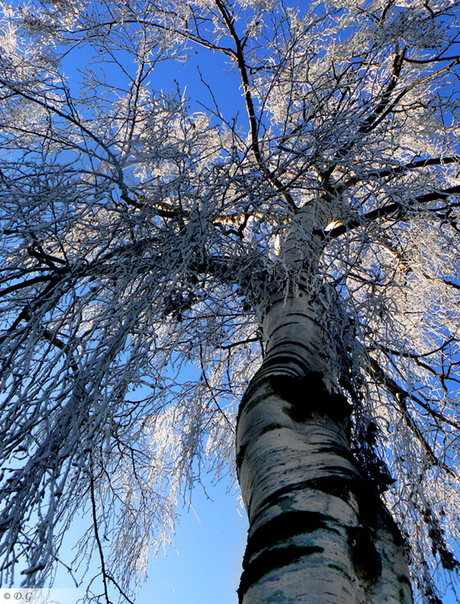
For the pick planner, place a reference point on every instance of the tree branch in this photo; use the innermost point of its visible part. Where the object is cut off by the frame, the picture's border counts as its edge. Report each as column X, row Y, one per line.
column 253, row 121
column 422, row 163
column 389, row 209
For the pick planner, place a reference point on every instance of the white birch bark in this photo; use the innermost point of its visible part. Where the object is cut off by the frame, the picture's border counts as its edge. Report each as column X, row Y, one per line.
column 303, row 243
column 319, row 532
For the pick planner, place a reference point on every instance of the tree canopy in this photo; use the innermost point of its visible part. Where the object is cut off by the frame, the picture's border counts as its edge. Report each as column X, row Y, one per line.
column 143, row 232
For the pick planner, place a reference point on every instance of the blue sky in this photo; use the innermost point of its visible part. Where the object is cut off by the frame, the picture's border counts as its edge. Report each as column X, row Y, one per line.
column 210, row 547
column 204, row 565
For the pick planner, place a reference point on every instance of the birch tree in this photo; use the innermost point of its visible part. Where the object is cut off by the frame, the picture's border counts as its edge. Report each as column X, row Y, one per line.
column 167, row 256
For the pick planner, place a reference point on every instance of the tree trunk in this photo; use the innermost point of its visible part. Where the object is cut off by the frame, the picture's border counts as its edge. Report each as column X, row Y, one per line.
column 318, row 531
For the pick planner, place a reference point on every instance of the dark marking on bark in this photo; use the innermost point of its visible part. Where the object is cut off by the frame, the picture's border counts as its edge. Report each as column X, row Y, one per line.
column 279, row 365
column 371, row 509
column 271, row 427
column 308, row 395
column 402, row 592
column 289, row 321
column 373, row 512
column 271, row 366
column 338, row 451
column 282, row 527
column 341, row 570
column 271, row 560
column 390, row 524
column 366, row 560
column 251, row 401
column 339, row 486
column 240, row 456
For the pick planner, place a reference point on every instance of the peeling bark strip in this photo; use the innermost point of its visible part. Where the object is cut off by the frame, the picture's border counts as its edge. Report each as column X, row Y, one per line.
column 319, row 533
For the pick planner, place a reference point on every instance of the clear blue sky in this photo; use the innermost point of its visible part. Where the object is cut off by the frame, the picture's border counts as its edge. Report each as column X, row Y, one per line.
column 210, row 549
column 205, row 564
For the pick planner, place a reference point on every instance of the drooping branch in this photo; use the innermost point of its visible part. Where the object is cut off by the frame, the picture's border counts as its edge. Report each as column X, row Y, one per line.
column 400, row 396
